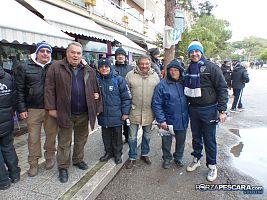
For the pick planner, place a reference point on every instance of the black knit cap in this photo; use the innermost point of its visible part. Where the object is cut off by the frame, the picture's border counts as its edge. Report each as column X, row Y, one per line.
column 154, row 51
column 120, row 50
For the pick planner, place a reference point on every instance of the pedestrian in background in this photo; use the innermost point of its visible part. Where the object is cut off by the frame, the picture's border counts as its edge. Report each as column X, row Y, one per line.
column 170, row 107
column 116, row 109
column 72, row 96
column 207, row 94
column 142, row 82
column 30, row 81
column 122, row 67
column 9, row 170
column 155, row 62
column 227, row 71
column 239, row 79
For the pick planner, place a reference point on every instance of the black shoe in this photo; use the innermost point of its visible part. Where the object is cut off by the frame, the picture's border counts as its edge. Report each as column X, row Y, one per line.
column 118, row 160
column 15, row 180
column 63, row 175
column 146, row 159
column 166, row 164
column 5, row 187
column 81, row 165
column 179, row 163
column 105, row 158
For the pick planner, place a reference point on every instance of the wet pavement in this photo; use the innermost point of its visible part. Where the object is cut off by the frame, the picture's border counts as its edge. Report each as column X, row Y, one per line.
column 250, row 153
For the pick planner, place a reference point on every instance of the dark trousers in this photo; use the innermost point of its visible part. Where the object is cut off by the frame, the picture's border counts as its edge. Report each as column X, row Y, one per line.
column 112, row 139
column 237, row 99
column 81, row 131
column 203, row 122
column 8, row 160
column 180, row 137
column 125, row 131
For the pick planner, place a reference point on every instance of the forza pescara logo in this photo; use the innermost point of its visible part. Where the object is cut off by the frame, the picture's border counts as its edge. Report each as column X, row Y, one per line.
column 4, row 90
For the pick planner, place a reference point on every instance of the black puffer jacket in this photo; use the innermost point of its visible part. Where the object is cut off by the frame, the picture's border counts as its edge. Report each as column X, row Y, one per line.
column 239, row 77
column 7, row 101
column 122, row 69
column 30, row 81
column 213, row 87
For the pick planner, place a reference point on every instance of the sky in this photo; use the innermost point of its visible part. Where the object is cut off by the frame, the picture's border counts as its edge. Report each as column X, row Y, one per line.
column 247, row 17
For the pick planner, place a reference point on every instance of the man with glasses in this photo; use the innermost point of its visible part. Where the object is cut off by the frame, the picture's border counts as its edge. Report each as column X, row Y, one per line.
column 141, row 81
column 30, row 80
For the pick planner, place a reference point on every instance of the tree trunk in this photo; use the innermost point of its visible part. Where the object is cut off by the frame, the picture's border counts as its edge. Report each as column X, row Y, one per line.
column 169, row 21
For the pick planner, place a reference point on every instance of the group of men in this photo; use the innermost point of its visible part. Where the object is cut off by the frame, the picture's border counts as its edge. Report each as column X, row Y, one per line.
column 68, row 94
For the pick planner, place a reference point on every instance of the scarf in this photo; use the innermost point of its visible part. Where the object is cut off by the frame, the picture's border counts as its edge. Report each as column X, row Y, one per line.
column 192, row 79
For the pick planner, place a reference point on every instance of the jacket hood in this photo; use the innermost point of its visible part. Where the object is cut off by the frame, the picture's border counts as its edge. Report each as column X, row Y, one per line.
column 2, row 72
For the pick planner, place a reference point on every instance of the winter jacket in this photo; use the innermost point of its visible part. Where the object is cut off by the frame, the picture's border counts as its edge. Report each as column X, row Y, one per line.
column 226, row 70
column 142, row 87
column 58, row 92
column 239, row 77
column 122, row 69
column 213, row 87
column 30, row 80
column 7, row 101
column 170, row 105
column 156, row 66
column 116, row 99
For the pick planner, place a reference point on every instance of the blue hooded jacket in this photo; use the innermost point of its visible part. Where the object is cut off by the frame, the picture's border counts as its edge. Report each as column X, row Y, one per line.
column 169, row 103
column 117, row 99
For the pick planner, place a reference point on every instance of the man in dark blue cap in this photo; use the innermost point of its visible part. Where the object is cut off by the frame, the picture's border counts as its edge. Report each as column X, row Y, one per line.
column 30, row 81
column 122, row 67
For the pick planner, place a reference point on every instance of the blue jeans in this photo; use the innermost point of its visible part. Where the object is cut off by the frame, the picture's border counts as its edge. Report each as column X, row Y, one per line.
column 132, row 141
column 9, row 158
column 180, row 137
column 237, row 99
column 203, row 122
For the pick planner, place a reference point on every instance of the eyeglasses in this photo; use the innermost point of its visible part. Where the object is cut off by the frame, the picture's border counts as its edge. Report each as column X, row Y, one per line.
column 45, row 51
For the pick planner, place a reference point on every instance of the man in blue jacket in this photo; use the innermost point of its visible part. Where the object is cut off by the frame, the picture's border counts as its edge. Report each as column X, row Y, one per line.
column 170, row 107
column 117, row 103
column 207, row 94
column 9, row 170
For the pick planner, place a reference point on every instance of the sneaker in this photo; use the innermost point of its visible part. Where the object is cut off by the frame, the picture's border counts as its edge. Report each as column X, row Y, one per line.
column 232, row 110
column 179, row 163
column 212, row 175
column 194, row 165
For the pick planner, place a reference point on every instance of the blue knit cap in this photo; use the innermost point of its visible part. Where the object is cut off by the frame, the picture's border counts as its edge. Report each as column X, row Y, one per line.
column 195, row 45
column 104, row 61
column 41, row 45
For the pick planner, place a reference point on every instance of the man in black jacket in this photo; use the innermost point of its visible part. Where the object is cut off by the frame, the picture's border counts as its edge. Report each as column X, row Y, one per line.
column 30, row 80
column 122, row 67
column 207, row 94
column 8, row 156
column 239, row 78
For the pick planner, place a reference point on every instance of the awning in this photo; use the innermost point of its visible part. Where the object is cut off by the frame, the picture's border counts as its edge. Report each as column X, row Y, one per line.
column 19, row 25
column 127, row 44
column 69, row 22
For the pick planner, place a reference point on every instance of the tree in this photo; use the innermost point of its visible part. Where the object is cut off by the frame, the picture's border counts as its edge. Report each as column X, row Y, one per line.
column 264, row 55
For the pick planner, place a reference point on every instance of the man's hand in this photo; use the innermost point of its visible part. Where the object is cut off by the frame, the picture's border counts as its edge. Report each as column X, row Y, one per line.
column 83, row 61
column 124, row 117
column 164, row 126
column 23, row 115
column 96, row 95
column 53, row 113
column 222, row 117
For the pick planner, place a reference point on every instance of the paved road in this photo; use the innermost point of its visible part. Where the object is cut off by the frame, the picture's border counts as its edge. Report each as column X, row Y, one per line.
column 153, row 182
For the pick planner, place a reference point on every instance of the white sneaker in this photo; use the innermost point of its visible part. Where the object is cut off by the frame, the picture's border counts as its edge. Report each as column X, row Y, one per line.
column 241, row 109
column 212, row 175
column 194, row 165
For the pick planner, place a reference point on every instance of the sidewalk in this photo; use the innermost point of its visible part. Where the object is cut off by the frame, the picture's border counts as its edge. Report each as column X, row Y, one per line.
column 81, row 185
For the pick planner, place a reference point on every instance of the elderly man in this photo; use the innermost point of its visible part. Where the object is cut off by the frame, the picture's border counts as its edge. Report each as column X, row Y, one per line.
column 207, row 93
column 30, row 81
column 171, row 108
column 122, row 67
column 72, row 96
column 142, row 81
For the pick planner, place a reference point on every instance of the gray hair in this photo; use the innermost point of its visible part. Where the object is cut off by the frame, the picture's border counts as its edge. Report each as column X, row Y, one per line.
column 142, row 57
column 75, row 44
